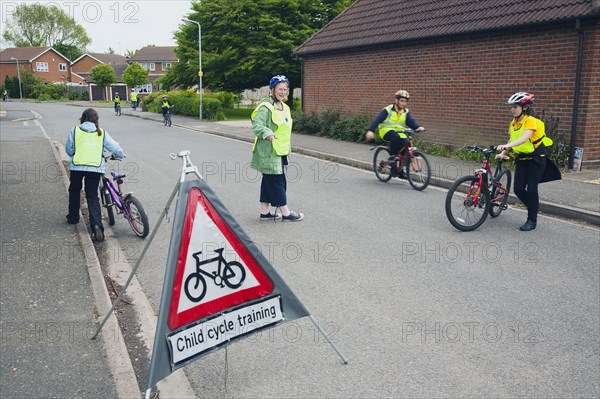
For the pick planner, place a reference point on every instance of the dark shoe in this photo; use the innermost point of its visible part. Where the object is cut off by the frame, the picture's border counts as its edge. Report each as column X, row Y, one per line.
column 270, row 216
column 400, row 174
column 72, row 220
column 293, row 217
column 528, row 226
column 98, row 233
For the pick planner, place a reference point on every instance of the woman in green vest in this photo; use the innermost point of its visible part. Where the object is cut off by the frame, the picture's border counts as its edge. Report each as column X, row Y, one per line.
column 272, row 125
column 527, row 140
column 85, row 146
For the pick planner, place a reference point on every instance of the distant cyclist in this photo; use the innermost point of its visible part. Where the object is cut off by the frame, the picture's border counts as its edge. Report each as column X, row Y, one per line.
column 165, row 105
column 117, row 101
column 391, row 122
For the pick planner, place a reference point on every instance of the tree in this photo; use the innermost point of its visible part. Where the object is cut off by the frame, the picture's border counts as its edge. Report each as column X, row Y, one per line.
column 135, row 75
column 39, row 25
column 245, row 42
column 103, row 75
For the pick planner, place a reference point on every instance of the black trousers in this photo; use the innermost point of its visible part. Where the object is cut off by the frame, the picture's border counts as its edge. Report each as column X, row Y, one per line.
column 528, row 174
column 92, row 180
column 396, row 142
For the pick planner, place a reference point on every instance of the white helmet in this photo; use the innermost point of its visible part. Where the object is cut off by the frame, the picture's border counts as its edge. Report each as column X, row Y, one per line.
column 521, row 98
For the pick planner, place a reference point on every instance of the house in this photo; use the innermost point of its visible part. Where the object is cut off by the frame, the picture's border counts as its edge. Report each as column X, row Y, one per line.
column 460, row 60
column 84, row 64
column 157, row 60
column 45, row 62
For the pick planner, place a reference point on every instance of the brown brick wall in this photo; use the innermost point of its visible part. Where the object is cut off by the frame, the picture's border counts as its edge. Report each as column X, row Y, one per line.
column 459, row 87
column 53, row 75
column 85, row 64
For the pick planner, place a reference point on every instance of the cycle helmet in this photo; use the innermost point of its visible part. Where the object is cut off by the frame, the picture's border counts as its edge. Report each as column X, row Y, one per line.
column 402, row 94
column 277, row 79
column 521, row 98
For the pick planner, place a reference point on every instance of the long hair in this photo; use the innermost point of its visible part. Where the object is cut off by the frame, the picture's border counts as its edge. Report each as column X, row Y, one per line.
column 90, row 115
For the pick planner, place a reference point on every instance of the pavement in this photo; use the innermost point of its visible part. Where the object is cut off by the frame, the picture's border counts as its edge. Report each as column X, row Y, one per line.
column 49, row 313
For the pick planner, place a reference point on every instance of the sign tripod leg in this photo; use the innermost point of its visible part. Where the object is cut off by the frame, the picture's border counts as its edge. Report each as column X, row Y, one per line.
column 324, row 334
column 187, row 167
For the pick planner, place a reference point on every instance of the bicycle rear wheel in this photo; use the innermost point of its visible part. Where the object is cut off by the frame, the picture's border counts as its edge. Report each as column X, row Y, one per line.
column 108, row 204
column 381, row 165
column 169, row 120
column 467, row 203
column 499, row 193
column 138, row 220
column 418, row 171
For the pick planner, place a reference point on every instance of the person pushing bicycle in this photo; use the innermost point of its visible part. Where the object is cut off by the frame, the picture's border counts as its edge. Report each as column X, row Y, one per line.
column 391, row 122
column 528, row 140
column 85, row 145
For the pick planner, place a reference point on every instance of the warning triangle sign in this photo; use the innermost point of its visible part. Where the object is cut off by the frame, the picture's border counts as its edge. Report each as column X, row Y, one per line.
column 218, row 285
column 214, row 271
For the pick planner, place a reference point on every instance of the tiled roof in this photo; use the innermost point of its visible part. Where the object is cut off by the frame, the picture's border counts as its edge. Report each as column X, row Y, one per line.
column 109, row 58
column 155, row 53
column 378, row 22
column 23, row 54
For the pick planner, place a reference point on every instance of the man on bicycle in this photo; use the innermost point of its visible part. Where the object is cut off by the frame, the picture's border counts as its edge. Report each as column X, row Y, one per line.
column 166, row 105
column 391, row 122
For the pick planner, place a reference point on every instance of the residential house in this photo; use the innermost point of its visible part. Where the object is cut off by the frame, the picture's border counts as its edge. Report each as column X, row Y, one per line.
column 84, row 64
column 45, row 62
column 461, row 60
column 157, row 60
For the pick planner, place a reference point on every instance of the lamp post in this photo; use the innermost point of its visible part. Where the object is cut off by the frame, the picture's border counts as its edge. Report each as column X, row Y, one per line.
column 199, row 60
column 19, row 76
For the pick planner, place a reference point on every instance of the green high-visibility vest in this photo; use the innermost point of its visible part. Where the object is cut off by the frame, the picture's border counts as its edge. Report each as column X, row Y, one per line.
column 394, row 121
column 538, row 137
column 88, row 148
column 283, row 120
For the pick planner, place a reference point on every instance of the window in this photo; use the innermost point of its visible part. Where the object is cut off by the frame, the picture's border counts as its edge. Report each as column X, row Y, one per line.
column 166, row 65
column 148, row 65
column 144, row 88
column 41, row 66
column 62, row 67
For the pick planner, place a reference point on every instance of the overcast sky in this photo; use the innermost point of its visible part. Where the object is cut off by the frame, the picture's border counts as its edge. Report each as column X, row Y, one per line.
column 120, row 25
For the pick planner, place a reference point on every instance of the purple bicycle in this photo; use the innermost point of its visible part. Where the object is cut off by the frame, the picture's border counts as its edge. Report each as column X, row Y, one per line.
column 130, row 207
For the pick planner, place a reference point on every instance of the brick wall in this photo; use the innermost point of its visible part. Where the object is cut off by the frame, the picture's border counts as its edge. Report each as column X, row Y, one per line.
column 459, row 87
column 85, row 64
column 54, row 75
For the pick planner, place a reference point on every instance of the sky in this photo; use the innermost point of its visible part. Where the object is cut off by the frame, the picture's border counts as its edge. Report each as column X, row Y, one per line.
column 120, row 25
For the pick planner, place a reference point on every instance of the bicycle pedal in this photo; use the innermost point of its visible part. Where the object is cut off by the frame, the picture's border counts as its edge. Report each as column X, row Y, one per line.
column 504, row 207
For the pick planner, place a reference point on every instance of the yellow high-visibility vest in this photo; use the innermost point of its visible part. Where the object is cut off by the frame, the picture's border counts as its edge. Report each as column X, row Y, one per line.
column 88, row 147
column 283, row 120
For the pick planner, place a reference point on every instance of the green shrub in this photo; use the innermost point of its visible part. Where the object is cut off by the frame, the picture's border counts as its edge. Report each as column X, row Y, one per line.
column 352, row 128
column 210, row 108
column 44, row 97
column 306, row 123
column 85, row 96
column 328, row 118
column 226, row 98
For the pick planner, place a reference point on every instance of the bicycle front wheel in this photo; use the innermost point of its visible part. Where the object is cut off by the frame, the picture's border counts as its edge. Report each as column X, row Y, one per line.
column 499, row 193
column 169, row 120
column 234, row 274
column 138, row 220
column 381, row 165
column 467, row 203
column 418, row 171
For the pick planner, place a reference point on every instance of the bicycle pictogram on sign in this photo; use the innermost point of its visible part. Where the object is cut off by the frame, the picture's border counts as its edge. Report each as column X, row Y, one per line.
column 231, row 274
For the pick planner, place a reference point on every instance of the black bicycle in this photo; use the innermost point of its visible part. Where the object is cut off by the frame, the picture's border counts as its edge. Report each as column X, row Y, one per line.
column 231, row 274
column 416, row 164
column 167, row 116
